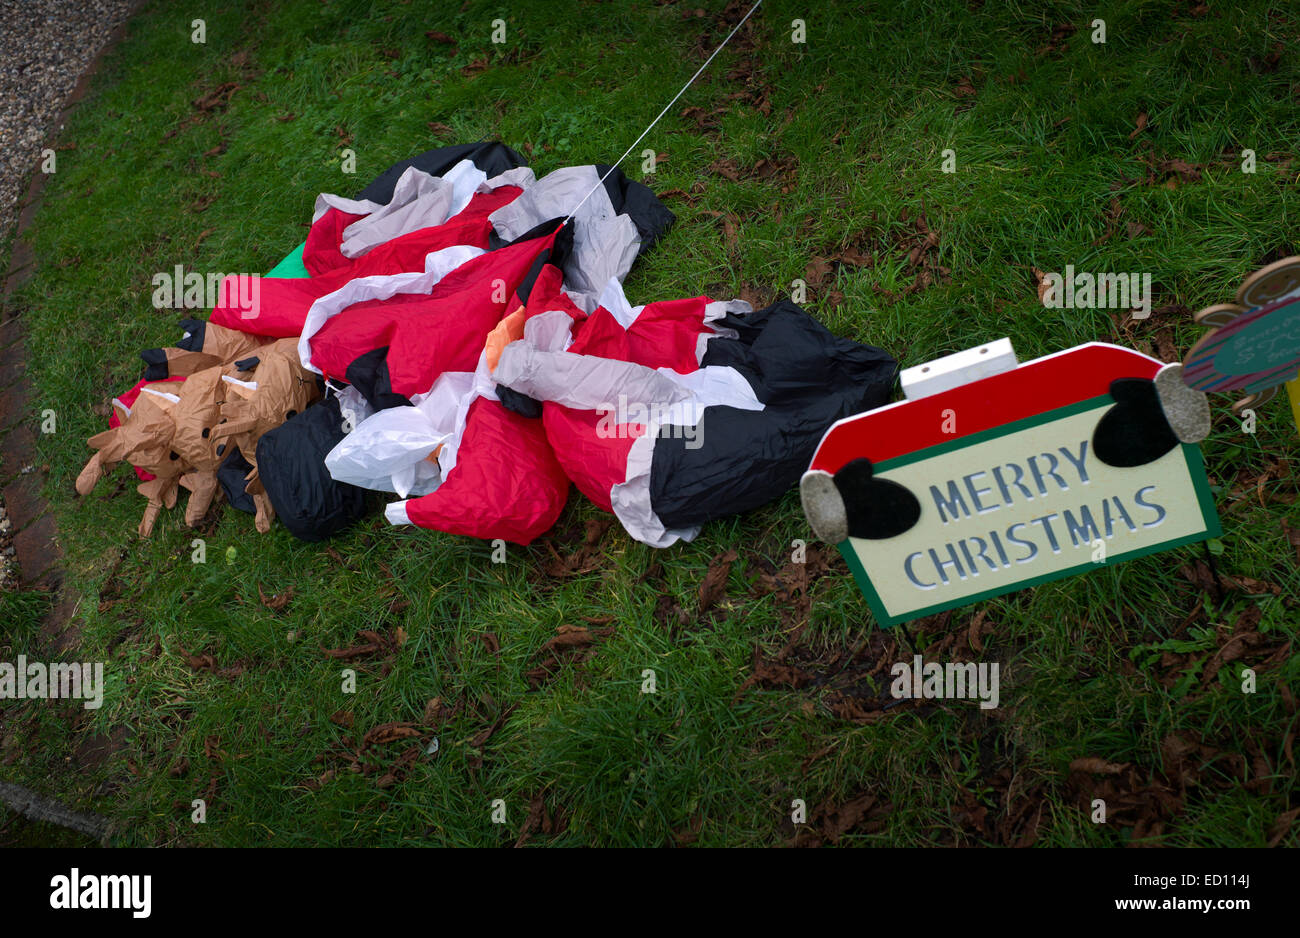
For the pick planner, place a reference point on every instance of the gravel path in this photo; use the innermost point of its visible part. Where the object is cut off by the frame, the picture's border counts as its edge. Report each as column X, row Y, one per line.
column 45, row 45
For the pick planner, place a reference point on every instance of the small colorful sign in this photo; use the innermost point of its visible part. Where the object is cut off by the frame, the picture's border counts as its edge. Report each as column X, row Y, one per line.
column 1254, row 345
column 1039, row 473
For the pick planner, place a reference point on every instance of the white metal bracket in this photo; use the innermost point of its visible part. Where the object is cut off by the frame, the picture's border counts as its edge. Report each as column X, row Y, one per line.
column 951, row 371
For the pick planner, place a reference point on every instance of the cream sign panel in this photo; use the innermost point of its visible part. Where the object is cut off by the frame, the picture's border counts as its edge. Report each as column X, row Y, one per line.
column 1023, row 504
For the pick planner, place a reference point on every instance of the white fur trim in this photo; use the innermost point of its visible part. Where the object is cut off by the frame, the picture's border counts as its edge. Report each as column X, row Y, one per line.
column 631, row 499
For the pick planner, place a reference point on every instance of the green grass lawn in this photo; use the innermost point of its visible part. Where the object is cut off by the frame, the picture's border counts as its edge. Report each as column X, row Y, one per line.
column 819, row 161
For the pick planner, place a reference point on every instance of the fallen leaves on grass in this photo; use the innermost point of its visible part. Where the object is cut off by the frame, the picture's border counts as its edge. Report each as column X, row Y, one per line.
column 791, row 582
column 818, row 271
column 1056, row 41
column 757, row 296
column 389, row 732
column 821, row 269
column 728, row 228
column 780, row 171
column 830, row 820
column 791, row 585
column 1281, row 826
column 369, row 757
column 965, row 92
column 218, row 98
column 714, row 585
column 1257, row 482
column 850, row 683
column 397, row 769
column 689, row 833
column 924, row 240
column 437, row 714
column 919, row 241
column 572, row 643
column 475, row 760
column 202, row 662
column 1153, row 335
column 677, row 194
column 277, row 601
column 1293, row 537
column 1113, row 214
column 705, row 120
column 1170, row 173
column 1244, row 643
column 1097, row 766
column 1200, row 575
column 1244, row 638
column 1183, row 170
column 1018, row 824
column 540, row 820
column 668, row 612
column 206, row 661
column 979, row 626
column 320, row 781
column 1147, row 800
column 1041, row 284
column 583, row 560
column 863, row 706
column 373, row 645
column 1267, row 64
column 771, row 674
column 1008, row 809
column 1140, row 801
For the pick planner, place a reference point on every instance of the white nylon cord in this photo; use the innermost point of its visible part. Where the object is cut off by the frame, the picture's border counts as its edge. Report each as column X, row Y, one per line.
column 602, row 179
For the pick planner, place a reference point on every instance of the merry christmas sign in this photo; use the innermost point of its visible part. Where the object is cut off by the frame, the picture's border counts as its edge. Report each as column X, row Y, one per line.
column 1054, row 468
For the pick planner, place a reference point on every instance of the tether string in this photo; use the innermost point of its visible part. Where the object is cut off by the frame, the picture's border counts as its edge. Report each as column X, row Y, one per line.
column 700, row 72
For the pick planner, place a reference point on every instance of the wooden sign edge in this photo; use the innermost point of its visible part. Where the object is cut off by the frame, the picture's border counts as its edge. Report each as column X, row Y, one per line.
column 1022, row 371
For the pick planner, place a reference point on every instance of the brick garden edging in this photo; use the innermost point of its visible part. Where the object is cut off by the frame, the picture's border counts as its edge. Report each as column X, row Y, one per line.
column 21, row 479
column 34, row 530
